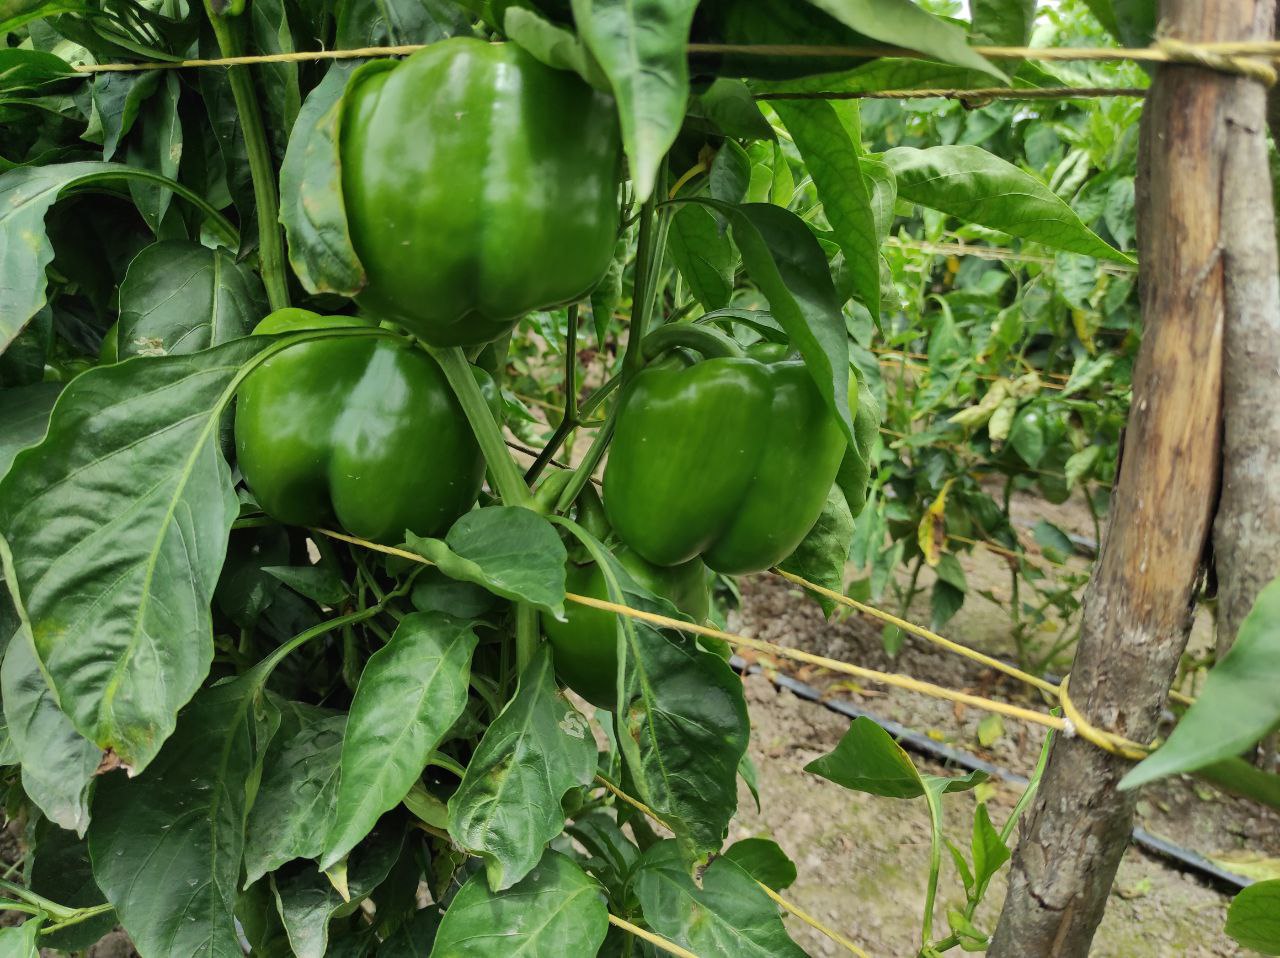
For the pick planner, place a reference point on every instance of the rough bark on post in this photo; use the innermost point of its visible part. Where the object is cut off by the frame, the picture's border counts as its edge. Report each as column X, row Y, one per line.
column 1137, row 611
column 1246, row 532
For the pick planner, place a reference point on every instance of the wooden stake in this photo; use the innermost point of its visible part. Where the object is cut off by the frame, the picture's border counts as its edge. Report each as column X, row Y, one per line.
column 1137, row 611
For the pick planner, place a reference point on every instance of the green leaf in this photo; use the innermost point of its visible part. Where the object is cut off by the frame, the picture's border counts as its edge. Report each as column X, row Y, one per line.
column 167, row 845
column 508, row 805
column 608, row 292
column 414, row 938
column 732, row 109
column 297, row 797
column 26, row 193
column 20, row 942
column 411, row 692
column 556, row 46
column 784, row 260
column 311, row 205
column 729, row 916
column 903, row 24
column 612, row 853
column 989, row 850
column 511, row 551
column 822, row 556
column 831, row 157
column 280, row 93
column 307, row 900
column 975, row 186
column 882, row 187
column 157, row 146
column 380, row 23
column 730, row 175
column 117, row 98
column 23, row 69
column 433, row 591
column 1132, row 22
column 1004, row 23
column 60, row 871
column 703, row 254
column 764, row 861
column 867, row 759
column 1027, row 436
column 684, row 727
column 114, row 575
column 318, row 583
column 1253, row 919
column 640, row 45
column 1080, row 464
column 25, row 419
column 1055, row 542
column 1238, row 705
column 58, row 763
column 179, row 297
column 554, row 912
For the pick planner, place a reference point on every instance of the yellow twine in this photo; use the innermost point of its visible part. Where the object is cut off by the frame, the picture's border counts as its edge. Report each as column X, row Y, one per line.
column 670, row 947
column 974, row 96
column 948, row 644
column 1107, row 741
column 1179, row 51
column 1235, row 58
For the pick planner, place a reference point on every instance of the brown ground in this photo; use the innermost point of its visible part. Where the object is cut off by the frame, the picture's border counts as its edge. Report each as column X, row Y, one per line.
column 863, row 860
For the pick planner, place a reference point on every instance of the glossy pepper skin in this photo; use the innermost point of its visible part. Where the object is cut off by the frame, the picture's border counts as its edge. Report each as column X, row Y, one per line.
column 585, row 646
column 730, row 459
column 362, row 430
column 478, row 185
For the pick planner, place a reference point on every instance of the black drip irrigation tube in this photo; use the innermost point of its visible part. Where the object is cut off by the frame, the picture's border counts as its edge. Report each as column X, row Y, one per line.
column 1182, row 859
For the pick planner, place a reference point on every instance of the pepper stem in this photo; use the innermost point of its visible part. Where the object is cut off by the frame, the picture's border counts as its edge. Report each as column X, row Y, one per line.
column 711, row 343
column 506, row 475
column 261, row 171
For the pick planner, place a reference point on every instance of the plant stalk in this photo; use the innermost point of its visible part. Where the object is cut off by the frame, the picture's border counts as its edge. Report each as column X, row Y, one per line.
column 506, row 475
column 261, row 169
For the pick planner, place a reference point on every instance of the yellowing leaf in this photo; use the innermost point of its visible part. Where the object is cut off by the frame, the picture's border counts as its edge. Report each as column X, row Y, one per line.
column 990, row 729
column 975, row 416
column 1085, row 322
column 1001, row 420
column 1249, row 864
column 932, row 532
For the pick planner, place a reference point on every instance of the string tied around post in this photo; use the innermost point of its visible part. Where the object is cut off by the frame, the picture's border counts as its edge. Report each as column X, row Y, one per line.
column 1179, row 51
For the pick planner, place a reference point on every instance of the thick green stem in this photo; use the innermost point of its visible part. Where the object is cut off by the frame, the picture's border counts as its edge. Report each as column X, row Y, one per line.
column 83, row 914
column 596, row 398
column 569, row 418
column 39, row 901
column 649, row 250
column 934, row 801
column 506, row 475
column 261, row 169
column 268, row 665
column 582, row 475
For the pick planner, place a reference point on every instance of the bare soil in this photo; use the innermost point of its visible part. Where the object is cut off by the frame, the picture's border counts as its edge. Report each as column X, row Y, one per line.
column 863, row 860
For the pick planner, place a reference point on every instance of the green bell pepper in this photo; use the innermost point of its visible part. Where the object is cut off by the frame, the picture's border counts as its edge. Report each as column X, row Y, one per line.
column 585, row 645
column 363, row 430
column 478, row 185
column 730, row 459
